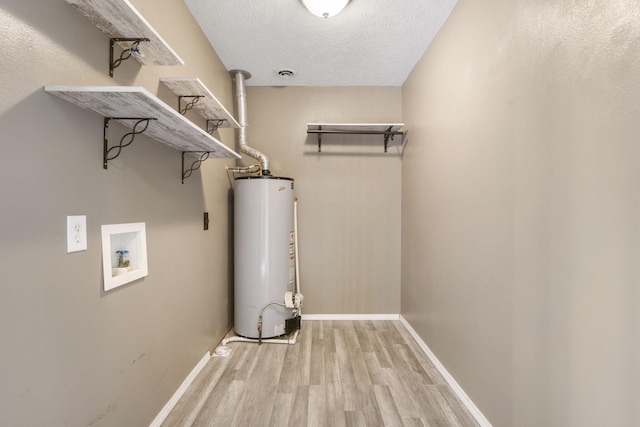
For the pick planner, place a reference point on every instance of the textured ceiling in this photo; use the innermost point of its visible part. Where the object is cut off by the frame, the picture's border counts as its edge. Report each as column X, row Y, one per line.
column 370, row 43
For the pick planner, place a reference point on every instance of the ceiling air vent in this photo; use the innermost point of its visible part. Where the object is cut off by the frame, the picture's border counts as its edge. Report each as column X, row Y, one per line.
column 286, row 73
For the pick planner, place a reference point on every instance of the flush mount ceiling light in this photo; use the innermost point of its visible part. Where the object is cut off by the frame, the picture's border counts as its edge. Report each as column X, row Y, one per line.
column 325, row 8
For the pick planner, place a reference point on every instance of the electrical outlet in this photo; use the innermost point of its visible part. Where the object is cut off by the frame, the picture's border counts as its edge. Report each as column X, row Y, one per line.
column 76, row 233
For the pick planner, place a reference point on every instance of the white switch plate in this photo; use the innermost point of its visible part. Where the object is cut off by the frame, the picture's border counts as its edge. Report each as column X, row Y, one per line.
column 76, row 233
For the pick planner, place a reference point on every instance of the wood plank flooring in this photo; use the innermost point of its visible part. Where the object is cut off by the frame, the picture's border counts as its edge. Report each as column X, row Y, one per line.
column 339, row 373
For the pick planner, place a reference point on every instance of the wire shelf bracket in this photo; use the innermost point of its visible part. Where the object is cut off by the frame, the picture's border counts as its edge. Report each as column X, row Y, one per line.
column 188, row 105
column 111, row 153
column 134, row 50
column 214, row 124
column 186, row 172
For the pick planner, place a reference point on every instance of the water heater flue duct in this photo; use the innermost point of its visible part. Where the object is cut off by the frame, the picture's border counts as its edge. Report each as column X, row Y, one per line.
column 241, row 94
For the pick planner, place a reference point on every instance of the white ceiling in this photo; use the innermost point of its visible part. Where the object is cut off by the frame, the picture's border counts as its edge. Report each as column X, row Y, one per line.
column 370, row 43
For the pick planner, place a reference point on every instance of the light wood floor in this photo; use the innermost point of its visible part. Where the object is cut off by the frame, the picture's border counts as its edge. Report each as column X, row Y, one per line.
column 339, row 373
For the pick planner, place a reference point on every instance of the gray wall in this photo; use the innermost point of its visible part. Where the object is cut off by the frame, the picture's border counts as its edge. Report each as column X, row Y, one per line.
column 348, row 195
column 71, row 353
column 520, row 231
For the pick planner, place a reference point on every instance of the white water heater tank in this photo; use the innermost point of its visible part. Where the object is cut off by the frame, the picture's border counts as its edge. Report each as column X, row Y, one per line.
column 264, row 264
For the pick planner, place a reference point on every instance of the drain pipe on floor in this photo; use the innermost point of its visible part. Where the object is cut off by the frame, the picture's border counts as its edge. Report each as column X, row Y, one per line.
column 241, row 96
column 290, row 341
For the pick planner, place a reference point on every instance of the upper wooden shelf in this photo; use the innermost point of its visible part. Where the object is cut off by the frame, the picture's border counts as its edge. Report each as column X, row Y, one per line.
column 388, row 130
column 119, row 19
column 127, row 102
column 203, row 101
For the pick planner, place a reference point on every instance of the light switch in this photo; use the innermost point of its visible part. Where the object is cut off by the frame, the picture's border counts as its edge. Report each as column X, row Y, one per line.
column 76, row 233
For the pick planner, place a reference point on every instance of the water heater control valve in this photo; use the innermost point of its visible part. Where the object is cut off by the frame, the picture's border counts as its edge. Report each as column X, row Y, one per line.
column 293, row 301
column 297, row 300
column 288, row 300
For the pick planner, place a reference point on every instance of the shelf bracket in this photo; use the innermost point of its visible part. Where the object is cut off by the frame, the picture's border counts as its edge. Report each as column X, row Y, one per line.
column 188, row 104
column 134, row 50
column 213, row 125
column 117, row 149
column 186, row 173
column 387, row 135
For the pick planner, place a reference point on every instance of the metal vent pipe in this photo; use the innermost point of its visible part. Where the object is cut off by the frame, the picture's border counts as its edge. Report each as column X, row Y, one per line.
column 240, row 76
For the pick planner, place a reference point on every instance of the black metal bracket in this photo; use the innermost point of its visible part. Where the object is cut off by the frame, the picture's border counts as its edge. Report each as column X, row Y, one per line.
column 186, row 173
column 188, row 104
column 387, row 134
column 126, row 54
column 117, row 149
column 213, row 125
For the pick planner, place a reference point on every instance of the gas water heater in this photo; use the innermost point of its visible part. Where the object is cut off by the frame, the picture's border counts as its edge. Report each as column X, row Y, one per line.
column 264, row 263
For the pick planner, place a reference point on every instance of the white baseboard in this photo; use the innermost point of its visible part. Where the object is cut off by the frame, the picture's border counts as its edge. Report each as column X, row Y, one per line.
column 466, row 401
column 164, row 413
column 350, row 317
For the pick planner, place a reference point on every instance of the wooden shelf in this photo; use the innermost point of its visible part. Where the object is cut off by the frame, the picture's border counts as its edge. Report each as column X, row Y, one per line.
column 355, row 128
column 119, row 19
column 207, row 105
column 169, row 127
column 387, row 130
